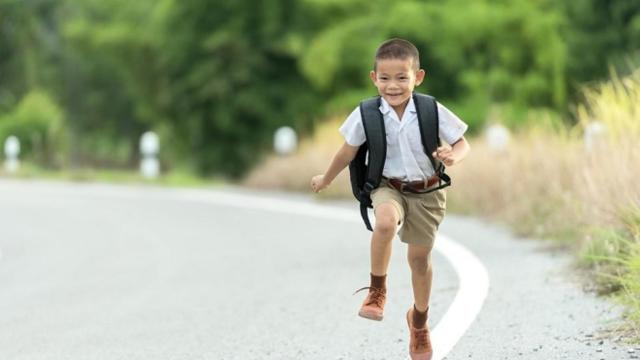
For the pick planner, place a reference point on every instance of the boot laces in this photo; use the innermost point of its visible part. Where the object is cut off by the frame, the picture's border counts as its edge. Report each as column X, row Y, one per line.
column 376, row 295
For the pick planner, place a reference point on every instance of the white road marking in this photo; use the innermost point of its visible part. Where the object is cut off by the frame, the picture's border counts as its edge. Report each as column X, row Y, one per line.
column 472, row 275
column 473, row 290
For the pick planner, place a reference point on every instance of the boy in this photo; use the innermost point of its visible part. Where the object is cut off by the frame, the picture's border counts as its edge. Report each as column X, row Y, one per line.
column 395, row 74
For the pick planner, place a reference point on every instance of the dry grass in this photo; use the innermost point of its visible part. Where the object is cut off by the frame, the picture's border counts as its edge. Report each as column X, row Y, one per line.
column 532, row 181
column 549, row 185
column 294, row 172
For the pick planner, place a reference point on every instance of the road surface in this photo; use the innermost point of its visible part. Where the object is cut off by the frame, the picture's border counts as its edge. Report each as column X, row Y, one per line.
column 95, row 271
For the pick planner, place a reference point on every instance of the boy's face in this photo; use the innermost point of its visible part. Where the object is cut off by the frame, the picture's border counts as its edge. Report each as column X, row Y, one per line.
column 396, row 79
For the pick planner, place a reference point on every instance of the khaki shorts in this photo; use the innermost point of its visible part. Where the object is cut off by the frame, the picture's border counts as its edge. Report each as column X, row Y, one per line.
column 420, row 214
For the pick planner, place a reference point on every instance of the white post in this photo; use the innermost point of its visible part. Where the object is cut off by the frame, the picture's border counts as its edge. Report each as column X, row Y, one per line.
column 149, row 148
column 594, row 133
column 11, row 152
column 497, row 136
column 285, row 141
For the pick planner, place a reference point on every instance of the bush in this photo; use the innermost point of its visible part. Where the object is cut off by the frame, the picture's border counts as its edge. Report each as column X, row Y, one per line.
column 37, row 121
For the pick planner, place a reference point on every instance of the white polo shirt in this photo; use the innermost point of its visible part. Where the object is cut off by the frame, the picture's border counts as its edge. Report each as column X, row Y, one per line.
column 406, row 159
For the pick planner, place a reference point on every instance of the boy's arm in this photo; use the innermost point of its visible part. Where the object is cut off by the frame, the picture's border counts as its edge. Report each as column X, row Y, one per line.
column 455, row 154
column 341, row 159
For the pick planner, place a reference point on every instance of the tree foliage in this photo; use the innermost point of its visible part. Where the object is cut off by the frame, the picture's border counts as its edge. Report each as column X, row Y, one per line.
column 233, row 79
column 215, row 79
column 600, row 34
column 38, row 121
column 479, row 52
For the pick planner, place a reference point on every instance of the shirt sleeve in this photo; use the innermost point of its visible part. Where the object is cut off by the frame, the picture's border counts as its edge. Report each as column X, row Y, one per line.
column 450, row 126
column 353, row 130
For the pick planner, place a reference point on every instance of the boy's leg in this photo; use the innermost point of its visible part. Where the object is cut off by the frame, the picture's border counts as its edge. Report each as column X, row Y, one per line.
column 419, row 258
column 389, row 213
column 419, row 232
column 387, row 219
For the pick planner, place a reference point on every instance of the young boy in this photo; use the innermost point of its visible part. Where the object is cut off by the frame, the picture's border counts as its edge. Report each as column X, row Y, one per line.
column 395, row 74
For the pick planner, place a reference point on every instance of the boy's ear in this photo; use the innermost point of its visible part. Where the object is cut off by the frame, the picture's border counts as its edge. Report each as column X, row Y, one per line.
column 420, row 75
column 372, row 75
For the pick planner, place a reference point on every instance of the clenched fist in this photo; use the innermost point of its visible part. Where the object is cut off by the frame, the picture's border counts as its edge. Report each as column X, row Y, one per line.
column 318, row 184
column 445, row 155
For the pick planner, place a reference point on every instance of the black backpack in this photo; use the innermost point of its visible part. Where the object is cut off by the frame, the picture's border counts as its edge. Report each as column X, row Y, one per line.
column 366, row 175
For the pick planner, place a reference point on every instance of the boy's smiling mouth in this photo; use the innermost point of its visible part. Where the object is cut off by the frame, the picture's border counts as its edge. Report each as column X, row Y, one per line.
column 393, row 97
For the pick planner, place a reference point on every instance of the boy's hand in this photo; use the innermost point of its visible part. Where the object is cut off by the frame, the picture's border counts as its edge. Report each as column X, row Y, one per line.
column 445, row 155
column 318, row 184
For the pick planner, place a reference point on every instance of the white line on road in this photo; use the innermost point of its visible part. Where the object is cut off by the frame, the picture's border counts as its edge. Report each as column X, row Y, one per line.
column 472, row 275
column 473, row 290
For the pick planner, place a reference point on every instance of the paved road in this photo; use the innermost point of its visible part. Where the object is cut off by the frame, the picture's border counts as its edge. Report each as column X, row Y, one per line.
column 114, row 272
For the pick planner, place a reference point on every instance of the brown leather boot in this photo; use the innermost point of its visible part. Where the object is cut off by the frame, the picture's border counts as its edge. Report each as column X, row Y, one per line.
column 419, row 341
column 373, row 306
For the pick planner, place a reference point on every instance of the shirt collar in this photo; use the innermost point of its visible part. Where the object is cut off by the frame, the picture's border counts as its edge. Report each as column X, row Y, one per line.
column 385, row 107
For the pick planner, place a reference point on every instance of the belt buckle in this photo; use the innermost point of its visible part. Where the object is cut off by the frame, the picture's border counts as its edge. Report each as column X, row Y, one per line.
column 410, row 187
column 436, row 180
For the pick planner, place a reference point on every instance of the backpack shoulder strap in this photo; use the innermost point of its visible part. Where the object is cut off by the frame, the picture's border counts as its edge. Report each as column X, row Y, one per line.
column 374, row 131
column 376, row 144
column 427, row 110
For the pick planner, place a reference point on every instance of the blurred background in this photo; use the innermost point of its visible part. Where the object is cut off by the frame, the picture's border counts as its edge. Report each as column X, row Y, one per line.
column 82, row 80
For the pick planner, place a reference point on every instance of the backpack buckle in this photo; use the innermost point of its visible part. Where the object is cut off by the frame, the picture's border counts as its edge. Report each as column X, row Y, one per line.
column 368, row 187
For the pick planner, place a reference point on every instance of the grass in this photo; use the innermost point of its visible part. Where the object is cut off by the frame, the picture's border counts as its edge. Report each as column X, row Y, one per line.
column 549, row 185
column 613, row 255
column 176, row 178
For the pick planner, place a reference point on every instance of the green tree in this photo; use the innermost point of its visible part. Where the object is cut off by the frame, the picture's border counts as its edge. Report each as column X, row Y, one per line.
column 233, row 79
column 27, row 48
column 600, row 34
column 37, row 121
column 113, row 81
column 216, row 78
column 475, row 53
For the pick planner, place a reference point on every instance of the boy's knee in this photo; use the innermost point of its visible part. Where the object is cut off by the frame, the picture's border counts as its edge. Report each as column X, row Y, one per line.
column 385, row 225
column 420, row 263
column 387, row 219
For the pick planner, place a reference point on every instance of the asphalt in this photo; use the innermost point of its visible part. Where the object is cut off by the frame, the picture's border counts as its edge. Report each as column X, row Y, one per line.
column 94, row 271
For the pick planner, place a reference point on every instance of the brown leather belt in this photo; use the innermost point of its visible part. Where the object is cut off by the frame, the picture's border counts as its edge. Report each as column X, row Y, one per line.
column 413, row 186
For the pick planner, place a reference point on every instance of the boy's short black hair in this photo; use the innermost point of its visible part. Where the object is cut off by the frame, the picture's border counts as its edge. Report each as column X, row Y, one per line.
column 397, row 49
